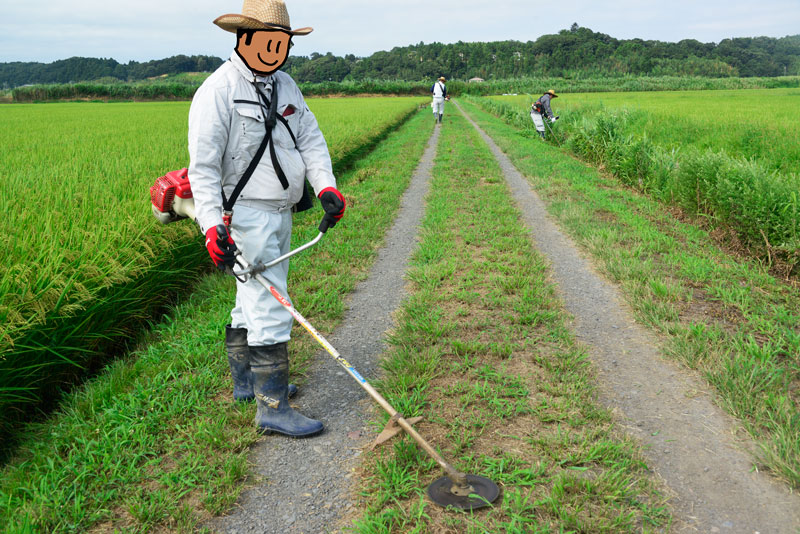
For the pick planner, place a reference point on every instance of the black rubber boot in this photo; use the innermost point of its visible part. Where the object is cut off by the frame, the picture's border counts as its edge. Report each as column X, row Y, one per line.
column 270, row 367
column 239, row 360
column 440, row 117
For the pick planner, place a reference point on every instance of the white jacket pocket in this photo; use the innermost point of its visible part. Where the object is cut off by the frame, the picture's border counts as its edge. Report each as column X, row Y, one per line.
column 247, row 133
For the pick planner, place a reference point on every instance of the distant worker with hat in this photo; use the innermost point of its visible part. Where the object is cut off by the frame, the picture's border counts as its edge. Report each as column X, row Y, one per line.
column 541, row 111
column 439, row 91
column 254, row 142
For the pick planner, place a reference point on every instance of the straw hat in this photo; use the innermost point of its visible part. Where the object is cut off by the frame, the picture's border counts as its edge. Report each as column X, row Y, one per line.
column 552, row 93
column 260, row 15
column 441, row 79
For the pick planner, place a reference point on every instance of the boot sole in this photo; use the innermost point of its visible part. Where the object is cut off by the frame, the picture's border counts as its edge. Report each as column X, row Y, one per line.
column 266, row 431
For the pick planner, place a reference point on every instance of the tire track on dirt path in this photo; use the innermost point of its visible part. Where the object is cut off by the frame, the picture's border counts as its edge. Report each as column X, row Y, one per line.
column 694, row 446
column 308, row 483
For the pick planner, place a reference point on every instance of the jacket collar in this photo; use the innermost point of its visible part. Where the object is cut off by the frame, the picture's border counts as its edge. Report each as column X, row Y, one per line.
column 245, row 71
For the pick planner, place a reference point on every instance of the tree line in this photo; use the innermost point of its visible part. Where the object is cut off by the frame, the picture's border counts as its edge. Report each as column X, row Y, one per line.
column 571, row 53
column 81, row 69
column 574, row 53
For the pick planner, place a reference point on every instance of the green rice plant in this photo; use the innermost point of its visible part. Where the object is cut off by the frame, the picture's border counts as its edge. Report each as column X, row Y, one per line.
column 752, row 124
column 88, row 265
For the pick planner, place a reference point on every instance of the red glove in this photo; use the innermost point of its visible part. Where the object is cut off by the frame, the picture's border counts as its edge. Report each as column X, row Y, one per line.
column 220, row 246
column 333, row 203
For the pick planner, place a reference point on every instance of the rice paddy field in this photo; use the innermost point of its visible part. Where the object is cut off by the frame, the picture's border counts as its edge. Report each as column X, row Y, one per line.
column 85, row 263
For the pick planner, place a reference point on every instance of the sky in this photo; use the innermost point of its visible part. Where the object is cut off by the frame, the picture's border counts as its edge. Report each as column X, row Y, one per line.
column 155, row 29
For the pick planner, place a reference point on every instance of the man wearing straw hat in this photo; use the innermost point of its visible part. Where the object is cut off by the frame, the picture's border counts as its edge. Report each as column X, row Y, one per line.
column 541, row 111
column 439, row 91
column 249, row 126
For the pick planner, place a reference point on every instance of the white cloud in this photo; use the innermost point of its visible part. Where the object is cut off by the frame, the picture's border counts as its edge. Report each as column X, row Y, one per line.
column 152, row 29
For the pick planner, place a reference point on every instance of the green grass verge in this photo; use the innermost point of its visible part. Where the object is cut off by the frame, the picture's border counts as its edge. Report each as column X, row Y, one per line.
column 155, row 443
column 482, row 350
column 725, row 317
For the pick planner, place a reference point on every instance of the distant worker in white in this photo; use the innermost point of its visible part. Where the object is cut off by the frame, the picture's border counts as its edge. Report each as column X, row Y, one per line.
column 254, row 142
column 439, row 91
column 541, row 111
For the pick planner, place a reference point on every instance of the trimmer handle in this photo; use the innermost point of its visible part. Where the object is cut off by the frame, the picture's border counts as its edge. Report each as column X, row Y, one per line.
column 249, row 269
column 324, row 224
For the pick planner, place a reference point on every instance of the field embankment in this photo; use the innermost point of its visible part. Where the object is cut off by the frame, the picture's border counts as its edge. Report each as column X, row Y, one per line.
column 88, row 265
column 702, row 152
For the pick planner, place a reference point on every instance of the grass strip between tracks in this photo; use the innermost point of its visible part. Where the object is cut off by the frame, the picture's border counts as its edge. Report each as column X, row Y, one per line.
column 726, row 317
column 156, row 443
column 482, row 350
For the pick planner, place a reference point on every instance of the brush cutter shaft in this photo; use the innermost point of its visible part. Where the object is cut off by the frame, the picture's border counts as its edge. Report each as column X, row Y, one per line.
column 454, row 475
column 459, row 479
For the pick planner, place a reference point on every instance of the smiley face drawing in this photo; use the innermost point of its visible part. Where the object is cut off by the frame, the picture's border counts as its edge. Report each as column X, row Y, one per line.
column 264, row 51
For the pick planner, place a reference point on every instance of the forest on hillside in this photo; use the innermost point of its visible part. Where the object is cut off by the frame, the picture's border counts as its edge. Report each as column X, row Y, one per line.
column 81, row 69
column 571, row 53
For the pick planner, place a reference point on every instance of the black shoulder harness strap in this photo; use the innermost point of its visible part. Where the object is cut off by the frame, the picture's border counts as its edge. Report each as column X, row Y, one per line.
column 270, row 122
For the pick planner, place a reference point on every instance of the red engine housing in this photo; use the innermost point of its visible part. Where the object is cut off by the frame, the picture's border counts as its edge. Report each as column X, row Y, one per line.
column 163, row 192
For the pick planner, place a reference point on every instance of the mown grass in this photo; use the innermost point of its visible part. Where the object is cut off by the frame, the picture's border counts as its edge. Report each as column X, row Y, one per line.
column 155, row 443
column 88, row 266
column 482, row 350
column 726, row 317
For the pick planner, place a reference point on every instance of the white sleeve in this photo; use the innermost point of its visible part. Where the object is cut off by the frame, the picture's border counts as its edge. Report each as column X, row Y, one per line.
column 209, row 127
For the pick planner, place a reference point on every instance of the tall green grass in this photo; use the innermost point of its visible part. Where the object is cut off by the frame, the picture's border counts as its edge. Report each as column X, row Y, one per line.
column 86, row 264
column 117, row 91
column 760, row 204
column 617, row 84
column 183, row 87
column 751, row 124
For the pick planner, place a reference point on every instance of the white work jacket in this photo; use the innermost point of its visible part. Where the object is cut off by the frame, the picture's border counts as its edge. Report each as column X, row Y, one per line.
column 226, row 127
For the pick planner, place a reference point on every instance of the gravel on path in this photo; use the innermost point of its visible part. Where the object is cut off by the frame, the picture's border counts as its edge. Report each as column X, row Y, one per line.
column 308, row 485
column 692, row 444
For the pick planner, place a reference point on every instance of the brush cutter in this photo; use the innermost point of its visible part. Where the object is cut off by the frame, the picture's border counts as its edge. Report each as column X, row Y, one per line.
column 549, row 127
column 172, row 201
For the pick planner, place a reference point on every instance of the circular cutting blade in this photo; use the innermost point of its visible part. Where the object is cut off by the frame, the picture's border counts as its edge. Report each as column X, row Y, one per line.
column 484, row 493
